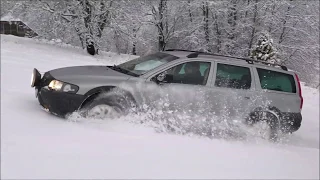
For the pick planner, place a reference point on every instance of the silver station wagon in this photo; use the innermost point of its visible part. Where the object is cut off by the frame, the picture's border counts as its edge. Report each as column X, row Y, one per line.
column 257, row 91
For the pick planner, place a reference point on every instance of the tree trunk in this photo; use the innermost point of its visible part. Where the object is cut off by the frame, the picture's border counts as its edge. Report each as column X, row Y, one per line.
column 216, row 24
column 272, row 13
column 80, row 35
column 246, row 14
column 190, row 14
column 161, row 24
column 116, row 41
column 134, row 42
column 90, row 44
column 232, row 18
column 205, row 12
column 103, row 18
column 253, row 32
column 134, row 51
column 281, row 38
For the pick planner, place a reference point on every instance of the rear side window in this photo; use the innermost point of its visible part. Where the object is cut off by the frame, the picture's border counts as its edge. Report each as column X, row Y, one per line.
column 230, row 76
column 276, row 81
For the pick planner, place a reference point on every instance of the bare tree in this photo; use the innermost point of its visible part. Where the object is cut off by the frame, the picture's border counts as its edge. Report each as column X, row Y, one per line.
column 89, row 18
column 142, row 26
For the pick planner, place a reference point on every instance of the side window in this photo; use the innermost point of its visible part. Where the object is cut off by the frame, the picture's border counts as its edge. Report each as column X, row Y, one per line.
column 230, row 76
column 276, row 81
column 195, row 73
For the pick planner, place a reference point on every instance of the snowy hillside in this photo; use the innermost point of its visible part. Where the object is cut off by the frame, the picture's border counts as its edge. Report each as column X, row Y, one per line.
column 35, row 144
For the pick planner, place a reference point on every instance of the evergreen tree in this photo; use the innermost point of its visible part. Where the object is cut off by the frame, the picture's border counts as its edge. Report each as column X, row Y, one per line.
column 264, row 49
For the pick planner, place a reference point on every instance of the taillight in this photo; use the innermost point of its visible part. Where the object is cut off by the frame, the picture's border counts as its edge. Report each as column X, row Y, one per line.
column 300, row 91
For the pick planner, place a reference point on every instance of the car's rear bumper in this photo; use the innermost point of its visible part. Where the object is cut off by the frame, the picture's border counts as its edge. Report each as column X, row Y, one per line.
column 291, row 122
column 59, row 103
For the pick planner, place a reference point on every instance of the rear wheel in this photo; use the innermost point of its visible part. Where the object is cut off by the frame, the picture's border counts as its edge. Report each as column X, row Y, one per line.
column 266, row 124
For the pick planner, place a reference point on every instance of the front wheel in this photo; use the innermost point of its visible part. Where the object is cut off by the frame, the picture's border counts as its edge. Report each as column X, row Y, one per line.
column 112, row 106
column 100, row 111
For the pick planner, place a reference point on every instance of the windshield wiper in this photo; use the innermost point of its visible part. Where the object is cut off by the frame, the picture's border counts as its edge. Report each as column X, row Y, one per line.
column 122, row 70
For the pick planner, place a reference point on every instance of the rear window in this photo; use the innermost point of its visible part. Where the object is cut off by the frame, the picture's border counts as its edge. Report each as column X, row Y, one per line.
column 276, row 81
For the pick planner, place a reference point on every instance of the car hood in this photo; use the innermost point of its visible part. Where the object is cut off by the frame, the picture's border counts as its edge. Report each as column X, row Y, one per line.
column 68, row 74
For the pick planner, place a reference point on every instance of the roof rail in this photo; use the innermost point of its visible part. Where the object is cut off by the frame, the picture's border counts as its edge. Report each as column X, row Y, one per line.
column 195, row 54
column 181, row 50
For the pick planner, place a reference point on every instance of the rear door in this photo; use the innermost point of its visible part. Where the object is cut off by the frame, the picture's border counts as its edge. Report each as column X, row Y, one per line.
column 278, row 89
column 233, row 87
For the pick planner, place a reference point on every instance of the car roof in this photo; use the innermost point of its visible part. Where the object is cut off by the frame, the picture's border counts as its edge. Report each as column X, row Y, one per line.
column 182, row 54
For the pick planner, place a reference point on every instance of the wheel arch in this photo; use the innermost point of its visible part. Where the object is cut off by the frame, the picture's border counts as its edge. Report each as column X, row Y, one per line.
column 255, row 114
column 93, row 93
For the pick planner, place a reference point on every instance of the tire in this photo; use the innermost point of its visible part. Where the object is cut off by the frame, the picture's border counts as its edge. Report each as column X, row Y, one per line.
column 267, row 117
column 111, row 106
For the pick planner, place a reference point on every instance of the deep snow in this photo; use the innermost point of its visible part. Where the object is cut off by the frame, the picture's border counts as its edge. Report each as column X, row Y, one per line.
column 35, row 144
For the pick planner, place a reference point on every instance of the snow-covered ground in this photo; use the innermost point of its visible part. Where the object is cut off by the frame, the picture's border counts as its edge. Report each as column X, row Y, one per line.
column 35, row 144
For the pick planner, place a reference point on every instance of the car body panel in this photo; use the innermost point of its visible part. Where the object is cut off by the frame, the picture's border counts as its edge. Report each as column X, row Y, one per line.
column 234, row 102
column 83, row 71
column 284, row 101
column 59, row 103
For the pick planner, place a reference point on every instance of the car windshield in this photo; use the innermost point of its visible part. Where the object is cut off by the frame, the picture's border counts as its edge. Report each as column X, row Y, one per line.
column 144, row 64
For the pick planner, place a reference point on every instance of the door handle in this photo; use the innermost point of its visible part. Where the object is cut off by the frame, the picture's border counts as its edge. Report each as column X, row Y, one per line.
column 247, row 97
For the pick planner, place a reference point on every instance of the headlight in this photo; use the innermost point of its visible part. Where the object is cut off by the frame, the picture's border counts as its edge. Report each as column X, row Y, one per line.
column 62, row 86
column 55, row 85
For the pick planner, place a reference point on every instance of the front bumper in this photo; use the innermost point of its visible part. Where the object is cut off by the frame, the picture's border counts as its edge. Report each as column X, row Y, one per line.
column 59, row 103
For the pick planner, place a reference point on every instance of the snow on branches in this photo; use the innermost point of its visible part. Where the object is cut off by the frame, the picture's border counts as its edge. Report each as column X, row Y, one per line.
column 264, row 49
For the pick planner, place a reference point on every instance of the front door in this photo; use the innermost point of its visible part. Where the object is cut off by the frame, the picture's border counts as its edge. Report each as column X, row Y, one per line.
column 184, row 85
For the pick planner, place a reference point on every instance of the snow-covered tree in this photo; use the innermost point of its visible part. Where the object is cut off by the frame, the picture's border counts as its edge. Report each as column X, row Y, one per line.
column 7, row 5
column 88, row 17
column 264, row 50
column 166, row 16
column 143, row 26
